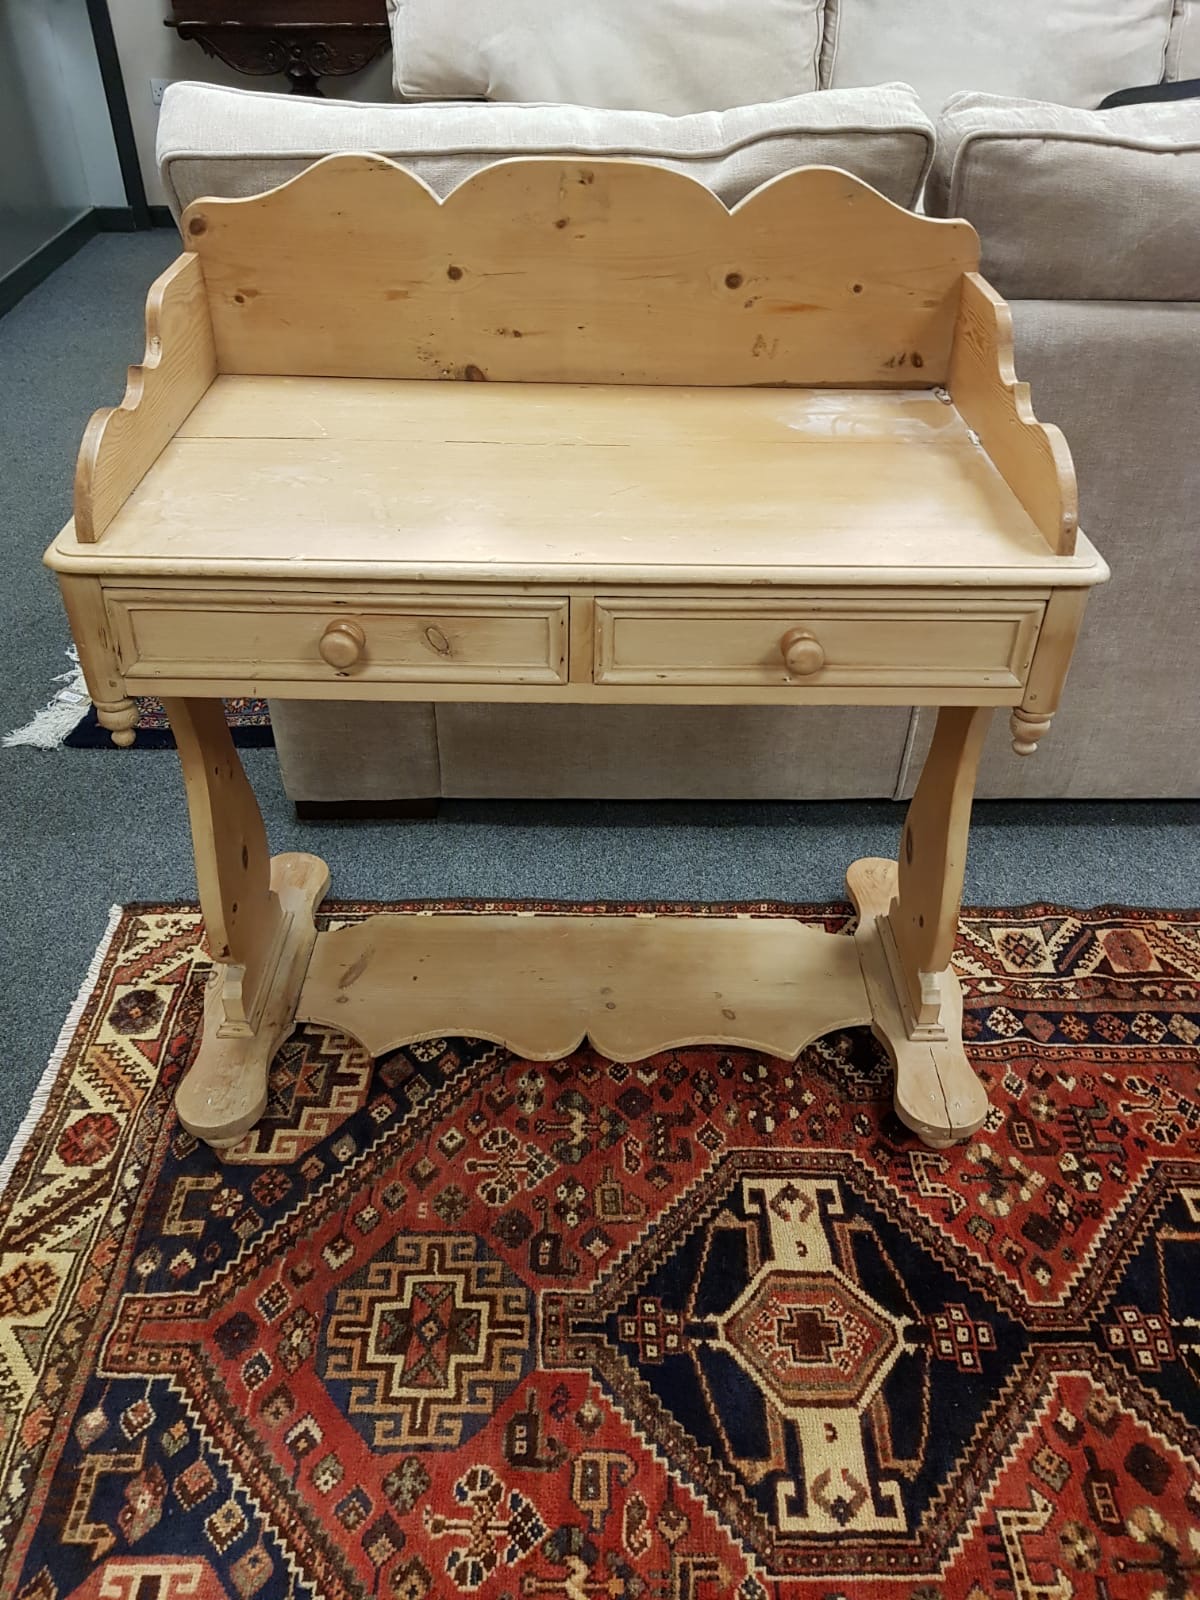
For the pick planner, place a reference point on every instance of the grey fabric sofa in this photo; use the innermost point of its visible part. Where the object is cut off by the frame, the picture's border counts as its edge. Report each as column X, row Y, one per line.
column 1090, row 223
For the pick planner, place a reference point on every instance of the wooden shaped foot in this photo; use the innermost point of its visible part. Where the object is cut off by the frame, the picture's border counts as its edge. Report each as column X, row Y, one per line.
column 225, row 1089
column 937, row 1093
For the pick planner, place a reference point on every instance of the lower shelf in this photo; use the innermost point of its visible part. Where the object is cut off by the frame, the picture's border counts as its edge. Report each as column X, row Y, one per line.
column 541, row 985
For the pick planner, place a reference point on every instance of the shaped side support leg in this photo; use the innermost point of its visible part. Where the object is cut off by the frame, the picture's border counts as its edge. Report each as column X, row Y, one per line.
column 908, row 918
column 258, row 914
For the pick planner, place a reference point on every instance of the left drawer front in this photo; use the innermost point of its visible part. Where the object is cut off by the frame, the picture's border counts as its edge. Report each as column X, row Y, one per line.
column 467, row 639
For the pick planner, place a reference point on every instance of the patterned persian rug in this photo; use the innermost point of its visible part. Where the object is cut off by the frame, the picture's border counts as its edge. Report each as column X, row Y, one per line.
column 709, row 1327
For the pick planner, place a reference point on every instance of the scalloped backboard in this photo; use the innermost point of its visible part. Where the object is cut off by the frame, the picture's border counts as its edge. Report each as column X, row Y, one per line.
column 553, row 270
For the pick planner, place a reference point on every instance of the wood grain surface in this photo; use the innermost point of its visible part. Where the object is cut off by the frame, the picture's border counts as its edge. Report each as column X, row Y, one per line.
column 548, row 270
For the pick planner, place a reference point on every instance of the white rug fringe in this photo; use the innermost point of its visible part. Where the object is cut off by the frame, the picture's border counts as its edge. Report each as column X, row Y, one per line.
column 51, row 725
column 41, row 1095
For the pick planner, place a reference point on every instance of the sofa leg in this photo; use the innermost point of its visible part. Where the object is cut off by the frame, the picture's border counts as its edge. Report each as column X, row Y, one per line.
column 412, row 810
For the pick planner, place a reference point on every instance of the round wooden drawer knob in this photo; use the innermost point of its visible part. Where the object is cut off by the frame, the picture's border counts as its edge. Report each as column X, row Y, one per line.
column 342, row 645
column 802, row 654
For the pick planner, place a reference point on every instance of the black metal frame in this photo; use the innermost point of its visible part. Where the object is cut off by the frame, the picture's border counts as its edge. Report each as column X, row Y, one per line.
column 118, row 112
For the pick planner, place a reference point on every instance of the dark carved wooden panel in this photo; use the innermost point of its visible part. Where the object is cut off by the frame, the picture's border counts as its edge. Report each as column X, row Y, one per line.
column 305, row 39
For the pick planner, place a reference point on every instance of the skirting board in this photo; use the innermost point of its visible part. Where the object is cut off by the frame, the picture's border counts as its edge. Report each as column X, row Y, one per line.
column 27, row 274
column 36, row 268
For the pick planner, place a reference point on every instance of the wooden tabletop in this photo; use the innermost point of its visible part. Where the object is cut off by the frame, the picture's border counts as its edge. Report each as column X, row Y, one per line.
column 576, row 483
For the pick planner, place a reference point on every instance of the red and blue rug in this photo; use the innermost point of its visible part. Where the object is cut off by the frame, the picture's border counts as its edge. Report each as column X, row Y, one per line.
column 707, row 1327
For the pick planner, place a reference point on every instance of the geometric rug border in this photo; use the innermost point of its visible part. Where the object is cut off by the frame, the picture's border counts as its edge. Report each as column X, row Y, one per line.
column 40, row 1100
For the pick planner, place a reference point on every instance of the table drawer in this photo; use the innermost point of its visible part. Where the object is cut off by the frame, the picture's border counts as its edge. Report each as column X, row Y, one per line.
column 817, row 641
column 460, row 639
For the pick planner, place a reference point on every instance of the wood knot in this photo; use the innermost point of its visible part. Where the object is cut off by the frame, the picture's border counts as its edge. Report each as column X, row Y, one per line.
column 733, row 280
column 454, row 273
column 198, row 225
column 474, row 374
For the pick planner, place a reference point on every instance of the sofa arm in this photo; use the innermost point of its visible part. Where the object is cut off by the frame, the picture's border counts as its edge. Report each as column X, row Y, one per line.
column 1069, row 204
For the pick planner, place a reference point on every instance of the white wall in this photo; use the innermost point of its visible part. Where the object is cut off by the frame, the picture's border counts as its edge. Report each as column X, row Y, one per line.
column 84, row 89
column 150, row 50
column 57, row 154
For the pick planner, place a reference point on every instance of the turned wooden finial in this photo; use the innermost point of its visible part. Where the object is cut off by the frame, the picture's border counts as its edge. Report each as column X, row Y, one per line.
column 120, row 717
column 1027, row 730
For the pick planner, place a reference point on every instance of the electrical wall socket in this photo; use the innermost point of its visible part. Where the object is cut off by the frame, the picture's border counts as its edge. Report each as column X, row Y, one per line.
column 158, row 87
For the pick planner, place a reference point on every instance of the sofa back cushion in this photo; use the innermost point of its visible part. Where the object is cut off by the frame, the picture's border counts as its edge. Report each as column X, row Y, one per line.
column 232, row 142
column 1183, row 52
column 657, row 55
column 1072, row 52
column 1070, row 204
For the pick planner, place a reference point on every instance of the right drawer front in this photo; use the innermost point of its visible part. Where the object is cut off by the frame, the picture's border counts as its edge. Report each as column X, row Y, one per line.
column 859, row 643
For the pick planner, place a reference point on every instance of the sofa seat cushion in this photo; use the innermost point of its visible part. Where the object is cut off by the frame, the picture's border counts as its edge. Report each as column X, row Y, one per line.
column 1073, row 52
column 232, row 142
column 1069, row 204
column 671, row 55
